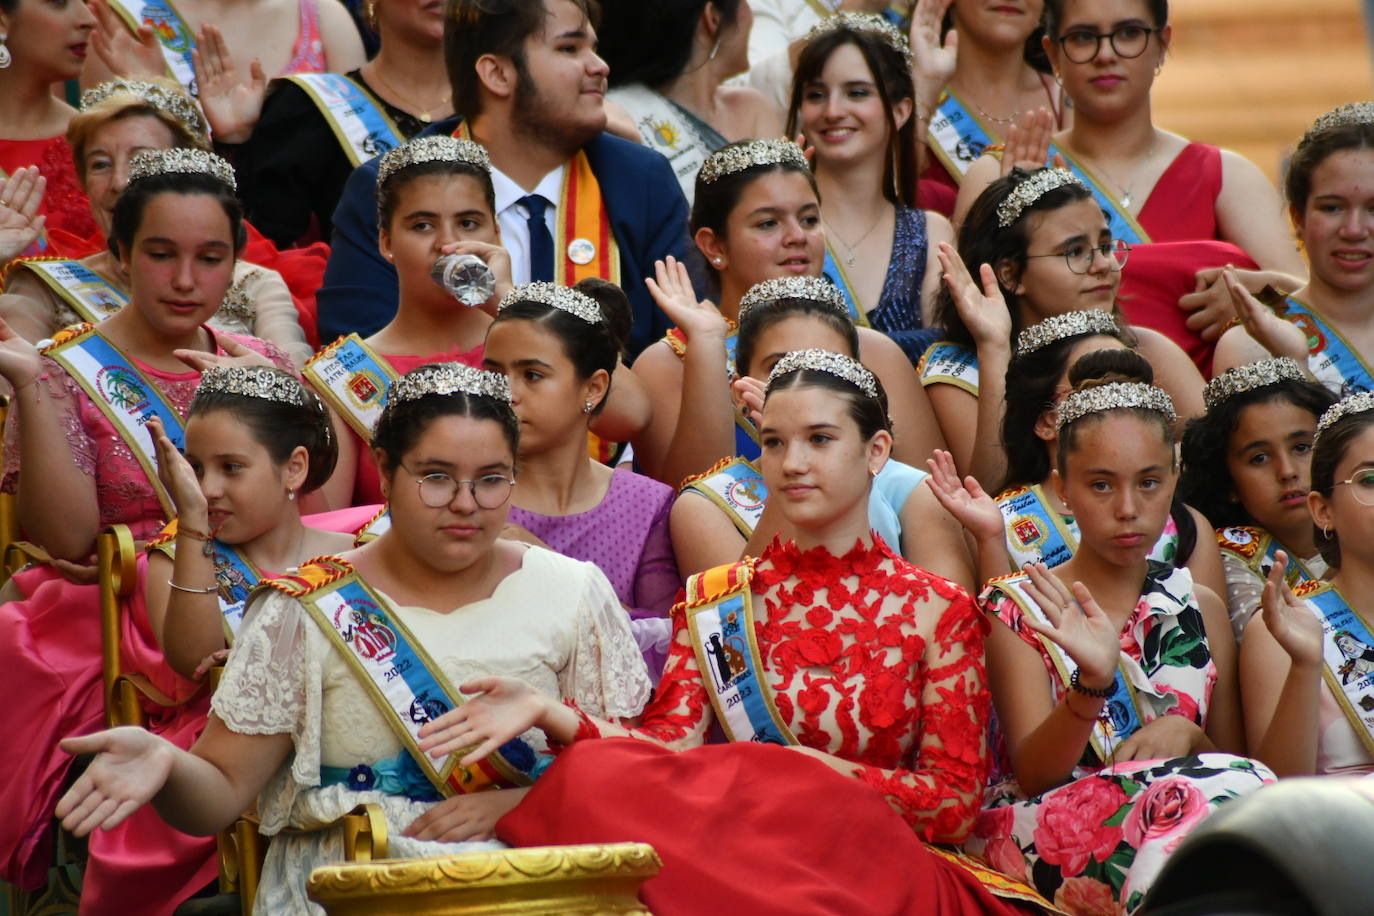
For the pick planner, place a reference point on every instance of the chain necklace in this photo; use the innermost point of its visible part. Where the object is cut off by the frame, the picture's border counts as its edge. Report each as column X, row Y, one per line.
column 993, row 118
column 1128, row 191
column 849, row 258
column 424, row 114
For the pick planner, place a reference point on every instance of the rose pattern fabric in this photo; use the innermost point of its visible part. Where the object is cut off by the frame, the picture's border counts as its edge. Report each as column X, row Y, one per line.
column 1095, row 844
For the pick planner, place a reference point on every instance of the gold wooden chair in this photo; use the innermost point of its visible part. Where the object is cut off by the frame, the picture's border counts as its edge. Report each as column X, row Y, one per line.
column 600, row 879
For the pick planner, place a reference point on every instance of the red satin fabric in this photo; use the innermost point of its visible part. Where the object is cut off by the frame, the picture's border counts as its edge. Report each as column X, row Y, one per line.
column 745, row 828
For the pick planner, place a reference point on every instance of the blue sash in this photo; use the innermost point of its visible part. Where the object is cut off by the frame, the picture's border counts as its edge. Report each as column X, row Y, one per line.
column 956, row 136
column 836, row 274
column 1330, row 358
column 236, row 578
column 352, row 378
column 407, row 686
column 746, row 434
column 1035, row 532
column 359, row 122
column 949, row 363
column 1348, row 653
column 1119, row 220
column 721, row 626
column 737, row 487
column 124, row 395
column 173, row 34
column 88, row 293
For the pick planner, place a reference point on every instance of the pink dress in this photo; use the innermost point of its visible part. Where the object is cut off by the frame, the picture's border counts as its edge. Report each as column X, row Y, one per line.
column 307, row 54
column 50, row 660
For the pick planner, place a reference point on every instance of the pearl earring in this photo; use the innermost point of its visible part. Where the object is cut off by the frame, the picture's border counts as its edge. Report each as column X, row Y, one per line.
column 587, row 407
column 5, row 58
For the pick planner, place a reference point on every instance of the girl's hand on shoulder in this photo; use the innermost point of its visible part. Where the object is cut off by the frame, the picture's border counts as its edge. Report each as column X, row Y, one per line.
column 1271, row 331
column 235, row 354
column 1166, row 737
column 671, row 287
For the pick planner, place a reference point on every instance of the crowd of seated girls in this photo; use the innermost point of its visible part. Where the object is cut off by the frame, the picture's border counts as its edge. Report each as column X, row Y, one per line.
column 992, row 511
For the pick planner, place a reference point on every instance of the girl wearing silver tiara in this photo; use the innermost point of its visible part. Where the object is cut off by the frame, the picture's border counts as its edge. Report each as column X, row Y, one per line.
column 78, row 459
column 852, row 97
column 867, row 665
column 560, row 350
column 1040, row 246
column 117, row 120
column 756, row 217
column 1307, row 663
column 1114, row 675
column 1330, row 189
column 1247, row 465
column 255, row 441
column 1026, row 522
column 724, row 514
column 435, row 604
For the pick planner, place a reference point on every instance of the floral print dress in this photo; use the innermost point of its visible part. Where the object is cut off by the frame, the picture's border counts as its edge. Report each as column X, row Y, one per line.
column 1095, row 844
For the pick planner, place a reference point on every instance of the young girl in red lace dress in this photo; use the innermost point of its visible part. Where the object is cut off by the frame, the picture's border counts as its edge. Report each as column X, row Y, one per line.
column 850, row 683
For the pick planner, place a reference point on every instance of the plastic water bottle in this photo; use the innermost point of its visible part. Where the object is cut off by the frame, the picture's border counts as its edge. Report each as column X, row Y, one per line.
column 466, row 277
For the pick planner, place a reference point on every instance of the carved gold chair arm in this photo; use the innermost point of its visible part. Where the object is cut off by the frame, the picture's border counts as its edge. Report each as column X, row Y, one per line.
column 117, row 563
column 19, row 554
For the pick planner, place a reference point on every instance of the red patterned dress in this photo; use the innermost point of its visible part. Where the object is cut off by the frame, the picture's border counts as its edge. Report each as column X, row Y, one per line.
column 874, row 663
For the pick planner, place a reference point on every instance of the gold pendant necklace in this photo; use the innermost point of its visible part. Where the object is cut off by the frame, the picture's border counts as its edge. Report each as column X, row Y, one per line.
column 424, row 114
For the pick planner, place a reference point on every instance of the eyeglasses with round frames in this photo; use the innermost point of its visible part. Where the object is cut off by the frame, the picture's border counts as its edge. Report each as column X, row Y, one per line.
column 1080, row 258
column 1128, row 42
column 490, row 491
column 1361, row 486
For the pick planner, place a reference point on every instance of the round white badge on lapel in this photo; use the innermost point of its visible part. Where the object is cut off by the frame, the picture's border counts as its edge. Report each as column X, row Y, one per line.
column 581, row 251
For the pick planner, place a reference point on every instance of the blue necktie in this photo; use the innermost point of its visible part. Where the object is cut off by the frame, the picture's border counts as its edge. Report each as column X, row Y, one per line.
column 541, row 243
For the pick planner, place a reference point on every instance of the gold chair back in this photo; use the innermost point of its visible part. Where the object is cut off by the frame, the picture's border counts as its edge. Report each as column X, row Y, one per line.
column 600, row 879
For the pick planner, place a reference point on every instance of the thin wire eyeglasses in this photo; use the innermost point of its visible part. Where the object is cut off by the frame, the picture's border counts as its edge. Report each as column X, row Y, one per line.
column 1128, row 42
column 1361, row 487
column 1080, row 258
column 490, row 491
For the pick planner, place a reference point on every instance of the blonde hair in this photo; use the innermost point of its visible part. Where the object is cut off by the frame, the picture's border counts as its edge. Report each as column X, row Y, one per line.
column 120, row 100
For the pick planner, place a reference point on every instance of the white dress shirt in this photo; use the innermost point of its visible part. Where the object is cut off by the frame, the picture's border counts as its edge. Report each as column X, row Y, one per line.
column 513, row 218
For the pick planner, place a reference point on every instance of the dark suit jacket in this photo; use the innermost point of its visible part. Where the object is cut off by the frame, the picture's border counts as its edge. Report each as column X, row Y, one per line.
column 648, row 217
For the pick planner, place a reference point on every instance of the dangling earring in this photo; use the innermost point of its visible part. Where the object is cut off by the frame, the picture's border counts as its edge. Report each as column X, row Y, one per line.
column 290, row 494
column 715, row 49
column 370, row 14
column 872, row 472
column 5, row 58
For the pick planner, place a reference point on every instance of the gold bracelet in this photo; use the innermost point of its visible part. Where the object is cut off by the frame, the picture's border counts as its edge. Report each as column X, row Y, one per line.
column 193, row 591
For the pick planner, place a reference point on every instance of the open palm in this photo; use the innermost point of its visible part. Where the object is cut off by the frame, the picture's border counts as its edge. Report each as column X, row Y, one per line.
column 1076, row 624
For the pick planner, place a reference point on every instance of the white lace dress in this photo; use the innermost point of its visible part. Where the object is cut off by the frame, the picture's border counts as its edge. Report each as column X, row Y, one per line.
column 554, row 622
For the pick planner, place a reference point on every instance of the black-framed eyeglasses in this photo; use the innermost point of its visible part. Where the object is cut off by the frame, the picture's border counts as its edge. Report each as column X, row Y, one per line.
column 490, row 491
column 1082, row 45
column 1361, row 486
column 1080, row 258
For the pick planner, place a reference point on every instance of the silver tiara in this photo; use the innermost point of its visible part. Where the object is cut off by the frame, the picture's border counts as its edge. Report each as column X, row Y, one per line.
column 254, row 382
column 829, row 362
column 1240, row 379
column 563, row 298
column 188, row 161
column 169, row 101
column 1345, row 407
column 1343, row 115
column 1114, row 396
column 432, row 149
column 449, row 378
column 740, row 156
column 816, row 289
column 871, row 23
column 1032, row 189
column 1061, row 327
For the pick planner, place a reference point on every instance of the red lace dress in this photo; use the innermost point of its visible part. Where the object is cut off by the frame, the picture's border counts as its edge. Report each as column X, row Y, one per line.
column 871, row 660
column 64, row 202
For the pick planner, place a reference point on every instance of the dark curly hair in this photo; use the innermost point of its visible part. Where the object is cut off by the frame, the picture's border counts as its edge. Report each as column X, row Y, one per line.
column 1206, row 482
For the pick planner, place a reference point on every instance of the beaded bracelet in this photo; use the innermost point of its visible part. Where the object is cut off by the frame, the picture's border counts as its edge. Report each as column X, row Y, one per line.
column 1100, row 692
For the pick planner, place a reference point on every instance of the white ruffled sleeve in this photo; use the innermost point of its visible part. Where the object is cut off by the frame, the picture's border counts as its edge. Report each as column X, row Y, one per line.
column 606, row 675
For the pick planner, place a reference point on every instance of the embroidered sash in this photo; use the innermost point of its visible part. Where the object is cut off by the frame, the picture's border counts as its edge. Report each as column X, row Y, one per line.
column 684, row 139
column 1035, row 532
column 737, row 487
column 949, row 363
column 584, row 245
column 235, row 575
column 359, row 122
column 1120, row 715
column 836, row 274
column 378, row 525
column 1119, row 219
column 1348, row 652
column 1330, row 357
column 124, row 395
column 352, row 378
column 1257, row 549
column 91, row 296
column 406, row 685
column 957, row 136
column 174, row 36
column 720, row 621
